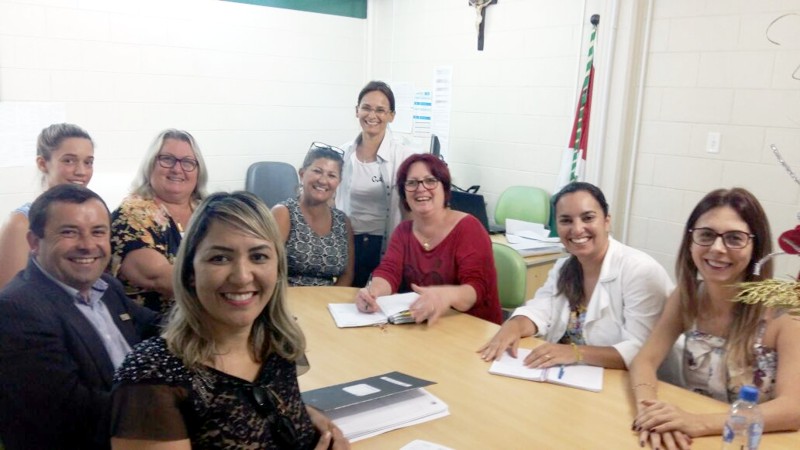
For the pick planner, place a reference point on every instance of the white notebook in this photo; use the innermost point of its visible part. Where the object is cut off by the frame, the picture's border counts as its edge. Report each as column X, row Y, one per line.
column 394, row 309
column 585, row 377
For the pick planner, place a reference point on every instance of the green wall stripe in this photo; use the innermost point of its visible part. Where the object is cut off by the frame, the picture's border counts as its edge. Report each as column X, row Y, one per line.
column 346, row 8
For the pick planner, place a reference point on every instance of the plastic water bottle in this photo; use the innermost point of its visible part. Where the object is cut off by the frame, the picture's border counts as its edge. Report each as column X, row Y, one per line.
column 745, row 424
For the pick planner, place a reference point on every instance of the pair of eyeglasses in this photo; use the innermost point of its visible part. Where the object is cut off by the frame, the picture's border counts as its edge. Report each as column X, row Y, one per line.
column 429, row 183
column 732, row 239
column 322, row 146
column 169, row 161
column 271, row 407
column 367, row 110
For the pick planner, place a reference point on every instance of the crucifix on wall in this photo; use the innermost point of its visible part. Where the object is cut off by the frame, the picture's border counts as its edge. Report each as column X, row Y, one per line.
column 480, row 10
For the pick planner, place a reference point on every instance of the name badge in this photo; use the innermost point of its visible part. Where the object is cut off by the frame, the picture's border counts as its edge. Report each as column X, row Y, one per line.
column 125, row 316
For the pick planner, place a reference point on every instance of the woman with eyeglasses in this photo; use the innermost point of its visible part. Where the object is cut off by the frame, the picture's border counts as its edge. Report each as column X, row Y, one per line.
column 147, row 226
column 224, row 372
column 64, row 154
column 597, row 306
column 442, row 254
column 318, row 237
column 366, row 193
column 728, row 344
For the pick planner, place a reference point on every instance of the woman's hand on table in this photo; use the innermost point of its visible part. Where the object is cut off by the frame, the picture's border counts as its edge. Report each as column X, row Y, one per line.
column 662, row 417
column 430, row 305
column 506, row 339
column 549, row 355
column 670, row 440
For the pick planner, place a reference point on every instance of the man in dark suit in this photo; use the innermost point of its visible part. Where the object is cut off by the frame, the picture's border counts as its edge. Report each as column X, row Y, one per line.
column 64, row 327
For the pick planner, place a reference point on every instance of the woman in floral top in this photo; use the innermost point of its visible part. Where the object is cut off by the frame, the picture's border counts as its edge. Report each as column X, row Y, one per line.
column 147, row 226
column 728, row 344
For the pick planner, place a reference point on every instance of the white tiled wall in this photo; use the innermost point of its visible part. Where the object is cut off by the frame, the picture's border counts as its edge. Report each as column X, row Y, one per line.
column 251, row 83
column 711, row 69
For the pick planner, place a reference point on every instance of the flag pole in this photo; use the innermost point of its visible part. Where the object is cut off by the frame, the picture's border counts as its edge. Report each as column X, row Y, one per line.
column 573, row 160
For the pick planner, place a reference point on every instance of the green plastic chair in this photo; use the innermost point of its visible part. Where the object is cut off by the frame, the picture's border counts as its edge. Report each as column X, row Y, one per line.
column 511, row 276
column 527, row 203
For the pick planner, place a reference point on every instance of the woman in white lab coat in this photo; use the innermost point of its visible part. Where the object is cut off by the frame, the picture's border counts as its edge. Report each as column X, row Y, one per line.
column 599, row 304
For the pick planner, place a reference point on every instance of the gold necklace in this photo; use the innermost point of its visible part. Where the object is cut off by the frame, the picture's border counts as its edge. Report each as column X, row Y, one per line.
column 425, row 241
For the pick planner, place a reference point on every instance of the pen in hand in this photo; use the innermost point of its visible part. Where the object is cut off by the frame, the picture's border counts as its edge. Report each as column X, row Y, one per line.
column 369, row 291
column 561, row 372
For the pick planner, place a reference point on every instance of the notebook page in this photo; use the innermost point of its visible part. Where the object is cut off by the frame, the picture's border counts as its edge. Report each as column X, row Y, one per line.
column 347, row 315
column 578, row 376
column 397, row 303
column 509, row 366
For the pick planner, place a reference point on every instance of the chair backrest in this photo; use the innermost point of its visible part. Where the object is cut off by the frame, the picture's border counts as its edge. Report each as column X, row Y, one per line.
column 527, row 203
column 511, row 275
column 272, row 181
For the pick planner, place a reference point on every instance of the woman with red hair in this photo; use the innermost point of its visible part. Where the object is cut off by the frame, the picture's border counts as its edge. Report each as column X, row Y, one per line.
column 443, row 255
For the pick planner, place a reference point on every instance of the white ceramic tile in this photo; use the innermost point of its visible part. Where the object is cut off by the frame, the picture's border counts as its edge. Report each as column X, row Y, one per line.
column 786, row 74
column 673, row 69
column 735, row 70
column 712, row 33
column 20, row 19
column 668, row 138
column 664, row 237
column 773, row 108
column 25, row 85
column 765, row 181
column 677, row 8
column 687, row 173
column 657, row 203
column 66, row 23
column 696, row 105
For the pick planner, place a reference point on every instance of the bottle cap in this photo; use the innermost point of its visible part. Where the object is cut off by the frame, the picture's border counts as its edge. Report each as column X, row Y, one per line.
column 749, row 393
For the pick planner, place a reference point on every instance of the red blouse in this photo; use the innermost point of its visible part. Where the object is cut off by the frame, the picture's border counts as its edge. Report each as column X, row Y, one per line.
column 463, row 257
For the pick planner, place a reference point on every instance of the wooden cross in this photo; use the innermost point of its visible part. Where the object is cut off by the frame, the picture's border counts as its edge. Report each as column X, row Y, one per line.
column 480, row 9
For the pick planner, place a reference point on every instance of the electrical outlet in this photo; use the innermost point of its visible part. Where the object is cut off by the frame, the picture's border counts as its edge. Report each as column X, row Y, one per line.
column 712, row 142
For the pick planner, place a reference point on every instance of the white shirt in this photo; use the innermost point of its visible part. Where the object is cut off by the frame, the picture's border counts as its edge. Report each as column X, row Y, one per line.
column 98, row 315
column 369, row 199
column 630, row 295
column 391, row 154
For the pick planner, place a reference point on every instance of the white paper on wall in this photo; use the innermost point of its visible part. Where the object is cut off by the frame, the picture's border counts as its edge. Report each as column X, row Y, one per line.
column 442, row 105
column 403, row 106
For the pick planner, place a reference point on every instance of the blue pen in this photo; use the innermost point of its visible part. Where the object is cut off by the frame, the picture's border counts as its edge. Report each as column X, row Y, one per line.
column 561, row 372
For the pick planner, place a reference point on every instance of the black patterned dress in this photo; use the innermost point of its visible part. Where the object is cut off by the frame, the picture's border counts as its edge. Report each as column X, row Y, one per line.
column 156, row 397
column 143, row 223
column 315, row 260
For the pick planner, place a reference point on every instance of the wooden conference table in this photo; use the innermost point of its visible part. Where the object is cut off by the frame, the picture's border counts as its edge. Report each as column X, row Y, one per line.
column 486, row 411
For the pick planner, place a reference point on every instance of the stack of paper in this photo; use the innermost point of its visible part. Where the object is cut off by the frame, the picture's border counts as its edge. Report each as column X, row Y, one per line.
column 394, row 309
column 530, row 238
column 375, row 405
column 577, row 376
